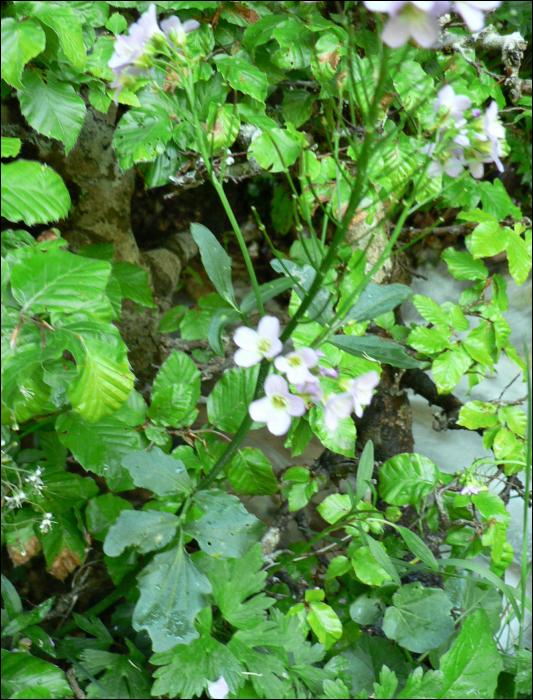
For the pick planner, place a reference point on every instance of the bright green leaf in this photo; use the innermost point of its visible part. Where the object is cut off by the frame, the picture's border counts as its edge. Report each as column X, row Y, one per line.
column 407, row 478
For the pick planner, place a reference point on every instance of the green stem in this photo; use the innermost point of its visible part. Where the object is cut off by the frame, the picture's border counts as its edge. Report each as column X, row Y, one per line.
column 239, row 435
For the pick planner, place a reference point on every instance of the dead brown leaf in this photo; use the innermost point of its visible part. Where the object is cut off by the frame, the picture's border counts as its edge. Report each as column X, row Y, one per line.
column 64, row 564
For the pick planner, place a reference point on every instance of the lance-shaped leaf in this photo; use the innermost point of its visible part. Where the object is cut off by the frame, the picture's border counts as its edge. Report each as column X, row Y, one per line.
column 267, row 291
column 216, row 262
column 375, row 348
column 172, row 593
column 144, row 530
column 226, row 529
column 157, row 471
column 377, row 299
column 321, row 308
column 24, row 185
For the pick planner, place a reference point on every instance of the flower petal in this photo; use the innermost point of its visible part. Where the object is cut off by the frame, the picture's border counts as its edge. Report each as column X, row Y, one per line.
column 296, row 406
column 261, row 410
column 276, row 386
column 395, row 33
column 246, row 338
column 247, row 358
column 269, row 328
column 424, row 30
column 309, row 356
column 279, row 422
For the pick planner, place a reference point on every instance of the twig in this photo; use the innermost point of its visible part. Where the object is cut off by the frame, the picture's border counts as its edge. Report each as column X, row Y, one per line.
column 71, row 678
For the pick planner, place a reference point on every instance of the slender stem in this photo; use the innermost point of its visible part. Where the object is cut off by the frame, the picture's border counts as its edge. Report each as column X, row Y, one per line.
column 524, row 567
column 200, row 135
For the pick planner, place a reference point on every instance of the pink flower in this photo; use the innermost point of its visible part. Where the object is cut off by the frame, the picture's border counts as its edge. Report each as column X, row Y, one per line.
column 361, row 390
column 128, row 50
column 277, row 407
column 176, row 32
column 472, row 12
column 219, row 689
column 296, row 365
column 446, row 162
column 470, row 490
column 454, row 105
column 416, row 19
column 495, row 132
column 311, row 391
column 338, row 406
column 256, row 345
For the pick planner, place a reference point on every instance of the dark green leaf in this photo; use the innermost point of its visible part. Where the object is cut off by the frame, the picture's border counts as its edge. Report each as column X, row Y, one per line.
column 101, row 513
column 377, row 299
column 228, row 403
column 133, row 282
column 216, row 261
column 243, row 76
column 144, row 530
column 267, row 291
column 374, row 348
column 365, row 469
column 226, row 529
column 419, row 618
column 23, row 674
column 157, row 471
column 172, row 593
column 418, row 548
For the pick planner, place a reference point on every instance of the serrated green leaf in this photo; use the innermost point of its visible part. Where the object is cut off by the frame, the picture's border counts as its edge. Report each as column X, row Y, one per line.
column 430, row 310
column 297, row 107
column 488, row 239
column 243, row 76
column 124, row 675
column 419, row 618
column 275, row 150
column 64, row 22
column 133, row 282
column 175, row 392
column 429, row 340
column 172, row 319
column 518, row 256
column 367, row 656
column 252, row 473
column 99, row 447
column 226, row 529
column 186, row 670
column 376, row 349
column 228, row 403
column 325, row 623
column 116, row 23
column 10, row 147
column 144, row 530
column 23, row 185
column 143, row 132
column 342, row 441
column 496, row 200
column 58, row 280
column 472, row 665
column 21, row 41
column 448, row 368
column 172, row 593
column 25, row 619
column 407, row 478
column 462, row 265
column 157, row 471
column 216, row 261
column 52, row 108
column 477, row 414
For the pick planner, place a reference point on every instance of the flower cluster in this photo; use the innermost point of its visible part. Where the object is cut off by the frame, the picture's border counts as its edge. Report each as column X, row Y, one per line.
column 418, row 19
column 303, row 372
column 133, row 53
column 467, row 137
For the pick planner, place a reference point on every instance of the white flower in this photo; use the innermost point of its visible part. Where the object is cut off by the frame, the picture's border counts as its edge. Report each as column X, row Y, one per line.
column 337, row 407
column 219, row 689
column 454, row 105
column 361, row 390
column 311, row 391
column 256, row 345
column 495, row 133
column 46, row 523
column 277, row 407
column 16, row 500
column 472, row 12
column 35, row 479
column 416, row 19
column 470, row 490
column 128, row 50
column 176, row 32
column 296, row 365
